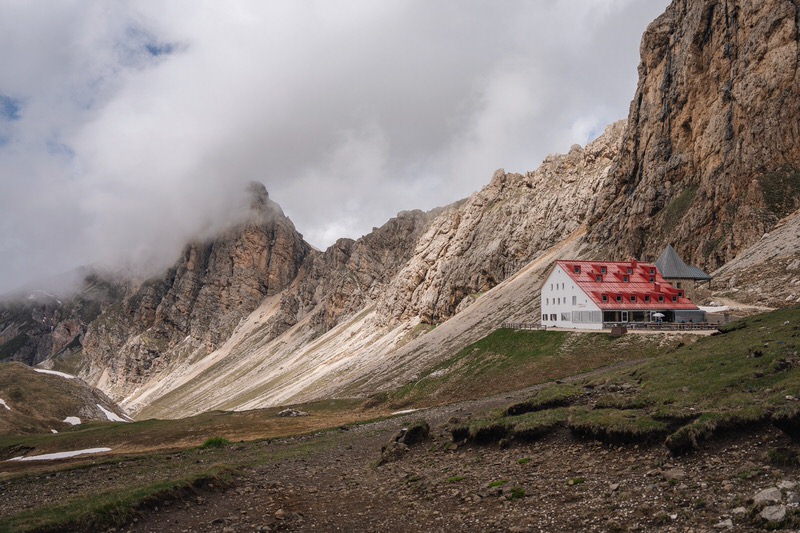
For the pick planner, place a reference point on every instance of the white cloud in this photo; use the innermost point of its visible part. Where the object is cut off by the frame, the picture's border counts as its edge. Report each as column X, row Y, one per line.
column 137, row 124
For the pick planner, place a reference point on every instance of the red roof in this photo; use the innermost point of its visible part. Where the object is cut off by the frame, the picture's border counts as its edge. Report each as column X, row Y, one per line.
column 628, row 285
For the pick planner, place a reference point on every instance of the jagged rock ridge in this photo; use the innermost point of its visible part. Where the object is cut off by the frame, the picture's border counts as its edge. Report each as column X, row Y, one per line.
column 475, row 245
column 197, row 303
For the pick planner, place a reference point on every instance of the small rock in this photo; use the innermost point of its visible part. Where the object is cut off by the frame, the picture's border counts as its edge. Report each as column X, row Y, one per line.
column 674, row 474
column 770, row 495
column 787, row 485
column 292, row 412
column 613, row 487
column 280, row 514
column 725, row 524
column 418, row 431
column 739, row 510
column 773, row 513
column 392, row 451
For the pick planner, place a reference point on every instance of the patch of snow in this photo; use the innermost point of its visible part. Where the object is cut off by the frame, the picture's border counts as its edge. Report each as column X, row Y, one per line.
column 112, row 416
column 714, row 308
column 60, row 455
column 54, row 372
column 53, row 431
column 4, row 404
column 405, row 411
column 74, row 420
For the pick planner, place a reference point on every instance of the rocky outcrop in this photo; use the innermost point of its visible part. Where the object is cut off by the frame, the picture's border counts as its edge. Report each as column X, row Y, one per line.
column 711, row 155
column 768, row 272
column 474, row 245
column 196, row 304
column 351, row 274
column 42, row 324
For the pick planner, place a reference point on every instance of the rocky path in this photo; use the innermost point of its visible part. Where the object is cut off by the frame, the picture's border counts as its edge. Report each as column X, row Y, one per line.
column 558, row 484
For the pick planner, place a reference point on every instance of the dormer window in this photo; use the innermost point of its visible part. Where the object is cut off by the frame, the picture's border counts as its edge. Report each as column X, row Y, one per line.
column 625, row 279
column 633, row 298
column 598, row 278
column 604, row 297
column 660, row 298
column 652, row 271
column 646, row 298
column 674, row 298
column 576, row 269
column 680, row 294
column 629, row 270
column 652, row 279
column 619, row 298
column 602, row 270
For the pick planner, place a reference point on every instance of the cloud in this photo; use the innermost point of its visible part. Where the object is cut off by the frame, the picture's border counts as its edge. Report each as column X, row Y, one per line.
column 131, row 127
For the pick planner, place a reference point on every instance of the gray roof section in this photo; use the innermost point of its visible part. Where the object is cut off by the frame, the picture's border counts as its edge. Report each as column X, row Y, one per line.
column 672, row 267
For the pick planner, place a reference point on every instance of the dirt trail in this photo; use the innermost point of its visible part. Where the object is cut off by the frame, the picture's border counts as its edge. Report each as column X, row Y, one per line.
column 558, row 484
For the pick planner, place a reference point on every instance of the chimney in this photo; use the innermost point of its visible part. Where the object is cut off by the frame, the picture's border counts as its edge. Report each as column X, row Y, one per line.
column 633, row 263
column 657, row 286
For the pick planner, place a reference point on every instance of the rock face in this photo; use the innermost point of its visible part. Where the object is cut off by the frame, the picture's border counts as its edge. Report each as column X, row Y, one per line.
column 711, row 155
column 474, row 245
column 196, row 304
column 43, row 325
column 353, row 273
column 767, row 273
column 195, row 307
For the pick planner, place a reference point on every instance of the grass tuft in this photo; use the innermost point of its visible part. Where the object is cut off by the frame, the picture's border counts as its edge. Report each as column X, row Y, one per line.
column 215, row 442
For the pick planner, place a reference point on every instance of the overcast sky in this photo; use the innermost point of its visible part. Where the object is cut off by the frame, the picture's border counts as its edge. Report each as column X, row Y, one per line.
column 127, row 128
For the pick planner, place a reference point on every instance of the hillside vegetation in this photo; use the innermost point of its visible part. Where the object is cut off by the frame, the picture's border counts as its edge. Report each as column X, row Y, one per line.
column 747, row 375
column 507, row 360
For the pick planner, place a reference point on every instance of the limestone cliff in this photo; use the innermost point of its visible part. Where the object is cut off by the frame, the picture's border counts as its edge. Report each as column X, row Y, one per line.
column 474, row 245
column 711, row 155
column 354, row 273
column 41, row 324
column 197, row 303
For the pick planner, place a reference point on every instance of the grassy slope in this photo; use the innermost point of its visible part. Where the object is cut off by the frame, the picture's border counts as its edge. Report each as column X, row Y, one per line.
column 140, row 482
column 749, row 374
column 151, row 435
column 509, row 360
column 40, row 402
